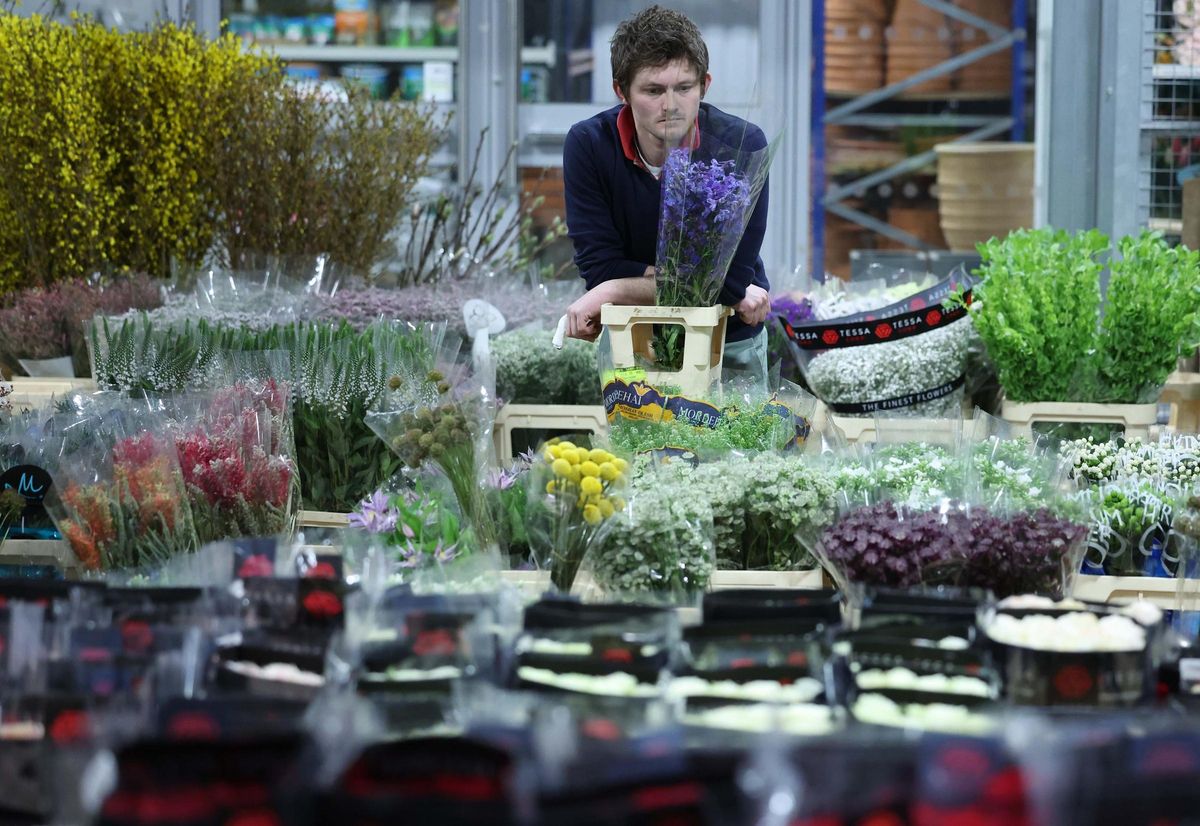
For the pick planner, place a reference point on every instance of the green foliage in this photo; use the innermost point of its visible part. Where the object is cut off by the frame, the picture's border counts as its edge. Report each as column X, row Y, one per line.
column 1036, row 310
column 1152, row 317
column 1039, row 313
column 529, row 370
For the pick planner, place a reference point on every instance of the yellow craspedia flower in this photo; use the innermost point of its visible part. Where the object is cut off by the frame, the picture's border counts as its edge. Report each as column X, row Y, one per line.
column 620, row 464
column 553, row 452
column 551, row 487
column 589, row 468
column 592, row 515
column 606, row 508
column 590, row 485
column 571, row 455
column 573, row 474
column 561, row 467
column 608, row 471
column 597, row 455
column 565, row 445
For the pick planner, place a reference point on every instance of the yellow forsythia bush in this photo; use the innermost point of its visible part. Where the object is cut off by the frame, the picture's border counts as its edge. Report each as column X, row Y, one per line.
column 108, row 139
column 145, row 150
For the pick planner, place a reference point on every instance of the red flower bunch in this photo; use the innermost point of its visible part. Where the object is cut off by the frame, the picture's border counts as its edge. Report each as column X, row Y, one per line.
column 236, row 463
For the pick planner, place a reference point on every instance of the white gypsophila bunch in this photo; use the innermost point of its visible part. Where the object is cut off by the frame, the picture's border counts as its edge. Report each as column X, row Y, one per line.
column 662, row 543
column 878, row 372
column 790, row 497
column 723, row 489
column 910, row 471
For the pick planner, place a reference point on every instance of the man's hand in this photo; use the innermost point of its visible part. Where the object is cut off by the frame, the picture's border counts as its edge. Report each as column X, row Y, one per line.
column 583, row 316
column 753, row 309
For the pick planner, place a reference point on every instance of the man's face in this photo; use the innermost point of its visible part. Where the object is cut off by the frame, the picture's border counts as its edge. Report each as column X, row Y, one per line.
column 666, row 99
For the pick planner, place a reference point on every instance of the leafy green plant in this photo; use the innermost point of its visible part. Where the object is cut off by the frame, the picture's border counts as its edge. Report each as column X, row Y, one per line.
column 529, row 370
column 1152, row 316
column 1039, row 313
column 1036, row 309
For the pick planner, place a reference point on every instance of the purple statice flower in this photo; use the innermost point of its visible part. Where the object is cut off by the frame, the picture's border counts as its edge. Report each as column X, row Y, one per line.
column 375, row 514
column 705, row 207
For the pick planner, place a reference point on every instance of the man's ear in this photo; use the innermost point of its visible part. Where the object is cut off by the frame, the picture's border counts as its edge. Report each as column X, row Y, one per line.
column 707, row 83
column 617, row 92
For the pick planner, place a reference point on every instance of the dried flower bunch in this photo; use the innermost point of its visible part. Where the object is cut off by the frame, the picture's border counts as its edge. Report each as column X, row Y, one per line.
column 886, row 544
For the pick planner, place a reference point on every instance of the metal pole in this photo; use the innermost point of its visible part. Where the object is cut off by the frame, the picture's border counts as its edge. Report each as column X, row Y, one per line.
column 1020, row 20
column 817, row 172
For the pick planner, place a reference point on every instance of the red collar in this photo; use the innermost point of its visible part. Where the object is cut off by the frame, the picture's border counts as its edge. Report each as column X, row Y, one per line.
column 628, row 134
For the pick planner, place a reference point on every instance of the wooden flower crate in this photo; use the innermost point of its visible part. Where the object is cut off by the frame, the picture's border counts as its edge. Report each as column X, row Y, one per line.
column 29, row 392
column 573, row 418
column 322, row 519
column 631, row 330
column 1138, row 420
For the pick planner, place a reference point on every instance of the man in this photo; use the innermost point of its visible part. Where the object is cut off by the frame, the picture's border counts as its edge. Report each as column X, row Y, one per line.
column 611, row 167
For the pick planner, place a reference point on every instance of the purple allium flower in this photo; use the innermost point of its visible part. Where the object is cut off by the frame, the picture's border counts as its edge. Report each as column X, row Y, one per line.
column 375, row 514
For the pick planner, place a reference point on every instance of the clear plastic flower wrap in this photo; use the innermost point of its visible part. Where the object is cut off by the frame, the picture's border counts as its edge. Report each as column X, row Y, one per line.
column 453, row 436
column 759, row 506
column 942, row 537
column 574, row 497
column 907, row 358
column 660, row 547
column 237, row 459
column 122, row 502
column 709, row 193
column 737, row 416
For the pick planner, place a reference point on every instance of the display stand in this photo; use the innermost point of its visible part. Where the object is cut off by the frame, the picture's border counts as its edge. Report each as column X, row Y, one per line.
column 1137, row 420
column 572, row 418
column 631, row 329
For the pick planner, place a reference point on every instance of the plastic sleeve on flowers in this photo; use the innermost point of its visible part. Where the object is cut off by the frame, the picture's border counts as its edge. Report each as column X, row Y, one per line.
column 744, row 270
column 599, row 250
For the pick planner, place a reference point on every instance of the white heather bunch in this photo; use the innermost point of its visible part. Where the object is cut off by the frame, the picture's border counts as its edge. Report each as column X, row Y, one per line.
column 877, row 372
column 662, row 543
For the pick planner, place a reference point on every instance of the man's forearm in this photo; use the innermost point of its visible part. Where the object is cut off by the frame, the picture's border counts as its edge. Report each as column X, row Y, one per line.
column 630, row 290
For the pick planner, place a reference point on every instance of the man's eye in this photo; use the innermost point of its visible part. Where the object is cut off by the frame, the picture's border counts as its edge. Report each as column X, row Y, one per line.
column 685, row 88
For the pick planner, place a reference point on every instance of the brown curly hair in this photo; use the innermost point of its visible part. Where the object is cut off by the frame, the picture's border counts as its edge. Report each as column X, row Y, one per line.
column 655, row 37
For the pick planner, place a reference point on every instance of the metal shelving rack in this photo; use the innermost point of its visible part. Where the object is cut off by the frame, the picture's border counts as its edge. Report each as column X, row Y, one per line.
column 852, row 112
column 1169, row 111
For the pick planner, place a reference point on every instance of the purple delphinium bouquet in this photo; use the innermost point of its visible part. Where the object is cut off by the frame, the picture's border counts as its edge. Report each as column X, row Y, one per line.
column 706, row 205
column 887, row 545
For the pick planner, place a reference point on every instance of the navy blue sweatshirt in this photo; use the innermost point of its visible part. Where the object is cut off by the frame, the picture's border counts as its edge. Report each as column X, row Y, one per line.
column 613, row 204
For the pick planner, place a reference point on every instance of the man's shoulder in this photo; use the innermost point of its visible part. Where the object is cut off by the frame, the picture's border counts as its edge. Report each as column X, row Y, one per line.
column 602, row 125
column 730, row 129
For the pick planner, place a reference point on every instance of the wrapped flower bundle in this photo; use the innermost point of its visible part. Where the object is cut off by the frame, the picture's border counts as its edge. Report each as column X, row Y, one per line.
column 890, row 545
column 708, row 196
column 574, row 494
column 126, row 507
column 238, row 463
